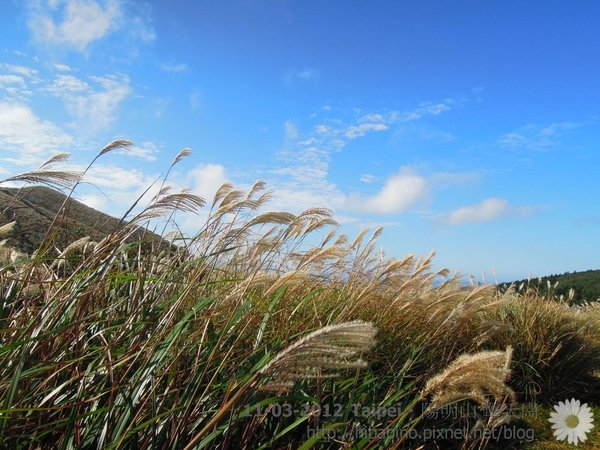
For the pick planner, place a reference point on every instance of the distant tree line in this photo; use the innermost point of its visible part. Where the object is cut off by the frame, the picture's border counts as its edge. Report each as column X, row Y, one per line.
column 586, row 285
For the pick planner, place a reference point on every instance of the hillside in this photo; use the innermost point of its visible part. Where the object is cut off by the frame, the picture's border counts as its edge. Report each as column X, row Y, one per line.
column 586, row 285
column 34, row 209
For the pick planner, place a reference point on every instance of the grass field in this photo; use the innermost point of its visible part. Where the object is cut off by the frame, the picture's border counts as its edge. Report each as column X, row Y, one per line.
column 272, row 330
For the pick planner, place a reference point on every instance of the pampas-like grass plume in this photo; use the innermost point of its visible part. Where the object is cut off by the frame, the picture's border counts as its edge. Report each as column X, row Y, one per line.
column 182, row 154
column 80, row 245
column 474, row 377
column 7, row 229
column 61, row 178
column 334, row 347
column 114, row 145
column 59, row 157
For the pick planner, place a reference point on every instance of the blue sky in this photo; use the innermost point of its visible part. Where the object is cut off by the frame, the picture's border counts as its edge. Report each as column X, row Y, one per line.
column 471, row 128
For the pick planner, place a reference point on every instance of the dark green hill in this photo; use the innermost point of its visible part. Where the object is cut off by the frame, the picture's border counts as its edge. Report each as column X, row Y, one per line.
column 34, row 209
column 585, row 284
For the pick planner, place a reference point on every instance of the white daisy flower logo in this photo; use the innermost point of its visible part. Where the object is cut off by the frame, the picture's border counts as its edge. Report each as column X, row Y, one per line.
column 572, row 421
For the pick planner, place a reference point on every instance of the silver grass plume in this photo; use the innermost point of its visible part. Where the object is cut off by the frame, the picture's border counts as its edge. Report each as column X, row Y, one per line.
column 7, row 229
column 331, row 348
column 59, row 157
column 114, row 145
column 82, row 245
column 221, row 193
column 50, row 177
column 182, row 154
column 182, row 201
column 475, row 377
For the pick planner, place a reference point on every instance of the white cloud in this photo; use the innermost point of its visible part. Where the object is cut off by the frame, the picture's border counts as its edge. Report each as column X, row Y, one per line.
column 62, row 67
column 536, row 137
column 76, row 24
column 81, row 23
column 303, row 182
column 204, row 180
column 141, row 29
column 94, row 108
column 146, row 150
column 160, row 105
column 423, row 110
column 322, row 129
column 66, row 85
column 354, row 131
column 22, row 132
column 488, row 210
column 303, row 75
column 291, row 131
column 22, row 71
column 367, row 178
column 94, row 201
column 399, row 192
column 308, row 74
column 195, row 100
column 14, row 82
column 512, row 140
column 442, row 180
column 7, row 80
column 116, row 177
column 173, row 67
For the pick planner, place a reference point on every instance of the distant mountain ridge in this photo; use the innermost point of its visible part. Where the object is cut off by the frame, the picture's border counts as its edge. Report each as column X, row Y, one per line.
column 34, row 209
column 586, row 285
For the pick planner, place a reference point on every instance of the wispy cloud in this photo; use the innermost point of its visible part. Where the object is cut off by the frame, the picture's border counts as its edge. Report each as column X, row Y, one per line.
column 94, row 105
column 303, row 75
column 22, row 71
column 291, row 130
column 367, row 178
column 62, row 67
column 146, row 150
column 485, row 211
column 195, row 100
column 355, row 131
column 537, row 137
column 302, row 178
column 160, row 106
column 489, row 210
column 12, row 80
column 174, row 67
column 16, row 82
column 443, row 180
